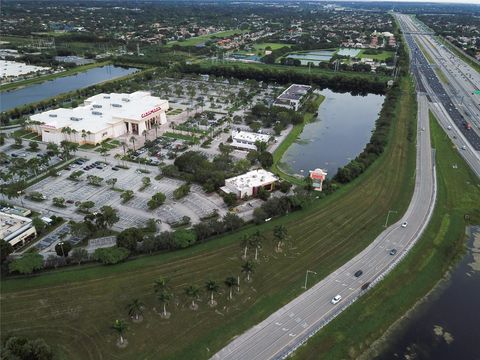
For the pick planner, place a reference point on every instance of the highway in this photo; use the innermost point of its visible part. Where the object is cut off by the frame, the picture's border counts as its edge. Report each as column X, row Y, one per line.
column 450, row 95
column 285, row 330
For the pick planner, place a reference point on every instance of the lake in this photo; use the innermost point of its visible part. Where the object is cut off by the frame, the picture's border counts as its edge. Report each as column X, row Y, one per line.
column 447, row 325
column 47, row 89
column 340, row 132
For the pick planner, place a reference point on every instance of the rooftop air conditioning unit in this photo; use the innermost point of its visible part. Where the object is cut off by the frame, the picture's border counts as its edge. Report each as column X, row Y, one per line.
column 75, row 118
column 96, row 113
column 97, row 106
column 106, row 97
column 52, row 115
column 125, row 99
column 117, row 105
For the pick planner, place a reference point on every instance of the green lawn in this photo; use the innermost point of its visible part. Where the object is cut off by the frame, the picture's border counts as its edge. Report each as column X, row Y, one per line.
column 382, row 56
column 75, row 308
column 367, row 320
column 261, row 47
column 199, row 39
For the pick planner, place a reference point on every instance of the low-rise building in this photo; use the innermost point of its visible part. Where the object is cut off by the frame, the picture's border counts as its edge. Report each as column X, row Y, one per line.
column 250, row 183
column 246, row 140
column 293, row 97
column 16, row 230
column 318, row 176
column 100, row 117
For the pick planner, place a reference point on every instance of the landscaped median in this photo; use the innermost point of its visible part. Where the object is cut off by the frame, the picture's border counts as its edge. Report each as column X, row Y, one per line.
column 290, row 139
column 354, row 331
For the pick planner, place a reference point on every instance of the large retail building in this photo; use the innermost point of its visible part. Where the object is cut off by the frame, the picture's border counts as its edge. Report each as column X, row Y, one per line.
column 100, row 117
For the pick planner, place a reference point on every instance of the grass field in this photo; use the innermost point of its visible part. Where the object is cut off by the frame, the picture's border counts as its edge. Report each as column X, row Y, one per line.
column 259, row 48
column 289, row 139
column 75, row 308
column 382, row 56
column 200, row 39
column 367, row 320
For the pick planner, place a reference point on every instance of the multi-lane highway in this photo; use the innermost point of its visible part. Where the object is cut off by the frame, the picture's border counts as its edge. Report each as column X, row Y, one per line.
column 289, row 327
column 450, row 84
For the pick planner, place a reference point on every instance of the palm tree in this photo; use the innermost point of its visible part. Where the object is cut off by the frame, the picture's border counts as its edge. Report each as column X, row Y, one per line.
column 124, row 146
column 280, row 233
column 164, row 297
column 256, row 242
column 248, row 268
column 245, row 242
column 144, row 133
column 212, row 287
column 155, row 126
column 132, row 140
column 120, row 326
column 135, row 309
column 192, row 292
column 84, row 135
column 230, row 282
column 161, row 284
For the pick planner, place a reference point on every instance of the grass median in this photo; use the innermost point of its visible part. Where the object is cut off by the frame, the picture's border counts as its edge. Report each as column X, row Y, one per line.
column 74, row 308
column 458, row 195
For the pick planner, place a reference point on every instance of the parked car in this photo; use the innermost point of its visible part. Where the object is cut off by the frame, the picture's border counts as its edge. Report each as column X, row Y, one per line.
column 358, row 273
column 365, row 286
column 393, row 252
column 404, row 224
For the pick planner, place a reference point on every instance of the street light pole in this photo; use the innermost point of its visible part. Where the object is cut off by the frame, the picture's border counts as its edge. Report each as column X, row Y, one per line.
column 306, row 277
column 61, row 246
column 386, row 221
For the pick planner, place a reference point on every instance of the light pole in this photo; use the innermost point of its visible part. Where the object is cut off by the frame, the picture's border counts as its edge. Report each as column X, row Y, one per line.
column 61, row 246
column 306, row 277
column 20, row 196
column 389, row 211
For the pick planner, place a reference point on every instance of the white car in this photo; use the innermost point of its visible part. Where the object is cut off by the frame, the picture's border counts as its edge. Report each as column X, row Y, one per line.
column 404, row 225
column 336, row 299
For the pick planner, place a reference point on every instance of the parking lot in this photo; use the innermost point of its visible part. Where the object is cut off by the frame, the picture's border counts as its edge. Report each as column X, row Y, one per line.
column 135, row 212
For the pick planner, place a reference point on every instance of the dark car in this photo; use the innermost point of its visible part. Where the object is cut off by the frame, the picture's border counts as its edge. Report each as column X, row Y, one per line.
column 365, row 286
column 69, row 201
column 393, row 252
column 115, row 168
column 99, row 167
column 358, row 273
column 86, row 168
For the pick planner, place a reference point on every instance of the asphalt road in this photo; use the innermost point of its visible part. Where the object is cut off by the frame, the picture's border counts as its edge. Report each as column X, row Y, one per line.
column 452, row 101
column 285, row 330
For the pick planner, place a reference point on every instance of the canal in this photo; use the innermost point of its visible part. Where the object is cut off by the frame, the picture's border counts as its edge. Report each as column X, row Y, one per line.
column 447, row 324
column 47, row 89
column 340, row 132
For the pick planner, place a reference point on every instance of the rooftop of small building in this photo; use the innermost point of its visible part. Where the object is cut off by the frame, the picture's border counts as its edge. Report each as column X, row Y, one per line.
column 249, row 136
column 10, row 223
column 252, row 178
column 294, row 92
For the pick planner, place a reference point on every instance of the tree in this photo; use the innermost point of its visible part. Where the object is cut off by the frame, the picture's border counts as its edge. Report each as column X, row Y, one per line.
column 161, row 284
column 263, row 194
column 78, row 255
column 280, row 233
column 245, row 243
column 248, row 268
column 212, row 287
column 230, row 199
column 126, row 196
column 230, row 282
column 256, row 242
column 193, row 292
column 5, row 250
column 156, row 200
column 266, row 159
column 135, row 309
column 106, row 217
column 26, row 264
column 146, row 181
column 232, row 222
column 85, row 206
column 183, row 238
column 164, row 297
column 94, row 180
column 39, row 225
column 129, row 238
column 33, row 146
column 120, row 327
column 63, row 248
column 111, row 182
column 111, row 255
column 133, row 140
column 58, row 202
column 181, row 191
column 20, row 348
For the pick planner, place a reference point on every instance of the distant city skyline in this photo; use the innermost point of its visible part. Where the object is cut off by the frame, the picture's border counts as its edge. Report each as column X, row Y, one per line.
column 474, row 2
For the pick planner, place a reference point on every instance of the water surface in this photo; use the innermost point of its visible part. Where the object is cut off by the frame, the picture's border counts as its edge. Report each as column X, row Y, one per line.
column 47, row 89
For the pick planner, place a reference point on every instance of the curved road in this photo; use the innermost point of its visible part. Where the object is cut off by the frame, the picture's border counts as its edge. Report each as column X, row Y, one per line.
column 285, row 330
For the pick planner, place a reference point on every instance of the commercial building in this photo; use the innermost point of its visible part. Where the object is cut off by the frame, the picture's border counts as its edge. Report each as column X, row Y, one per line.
column 250, row 183
column 11, row 69
column 100, row 117
column 246, row 140
column 293, row 97
column 318, row 176
column 16, row 230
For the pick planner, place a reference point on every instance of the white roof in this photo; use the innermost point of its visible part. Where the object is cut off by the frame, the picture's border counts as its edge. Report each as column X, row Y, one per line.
column 12, row 225
column 101, row 111
column 249, row 136
column 252, row 179
column 14, row 68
